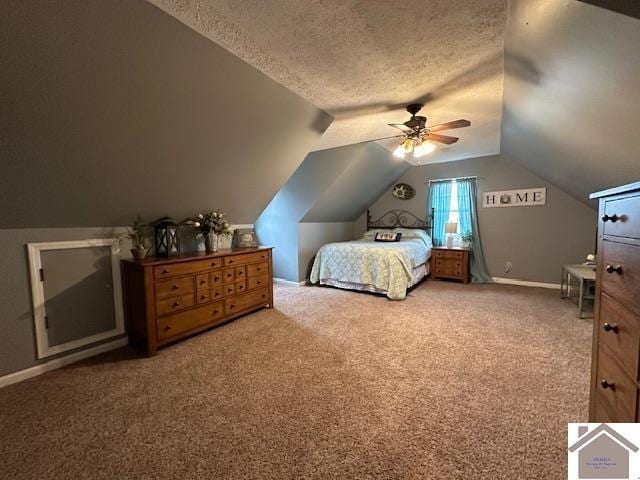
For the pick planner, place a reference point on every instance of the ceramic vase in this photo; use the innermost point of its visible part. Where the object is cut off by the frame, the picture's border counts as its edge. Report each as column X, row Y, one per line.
column 211, row 242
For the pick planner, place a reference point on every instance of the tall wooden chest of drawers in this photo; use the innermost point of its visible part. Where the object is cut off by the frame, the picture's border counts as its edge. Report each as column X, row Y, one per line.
column 616, row 329
column 167, row 299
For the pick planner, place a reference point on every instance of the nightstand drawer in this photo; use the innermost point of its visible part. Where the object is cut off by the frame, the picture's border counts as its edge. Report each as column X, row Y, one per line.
column 449, row 254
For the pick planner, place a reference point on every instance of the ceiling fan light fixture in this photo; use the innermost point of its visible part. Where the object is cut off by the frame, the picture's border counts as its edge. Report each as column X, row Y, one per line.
column 423, row 149
column 408, row 145
column 399, row 151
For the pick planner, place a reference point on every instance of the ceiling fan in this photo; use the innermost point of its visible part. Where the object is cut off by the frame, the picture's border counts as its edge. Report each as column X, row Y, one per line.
column 417, row 137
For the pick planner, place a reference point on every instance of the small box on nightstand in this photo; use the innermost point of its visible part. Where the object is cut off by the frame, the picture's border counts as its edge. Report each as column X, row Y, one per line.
column 450, row 263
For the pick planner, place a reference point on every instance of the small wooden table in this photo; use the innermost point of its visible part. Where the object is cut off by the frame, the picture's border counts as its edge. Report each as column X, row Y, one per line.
column 585, row 276
column 450, row 263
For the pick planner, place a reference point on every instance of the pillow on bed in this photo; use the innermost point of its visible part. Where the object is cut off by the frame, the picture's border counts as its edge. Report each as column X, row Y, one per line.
column 408, row 233
column 388, row 236
column 371, row 234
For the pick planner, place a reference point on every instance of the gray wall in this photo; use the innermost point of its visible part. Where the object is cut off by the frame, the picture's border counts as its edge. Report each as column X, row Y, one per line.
column 330, row 186
column 17, row 342
column 571, row 103
column 311, row 236
column 112, row 108
column 537, row 240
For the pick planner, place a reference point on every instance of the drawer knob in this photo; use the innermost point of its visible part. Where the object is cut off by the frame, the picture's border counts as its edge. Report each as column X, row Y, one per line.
column 230, row 261
column 176, row 304
column 610, row 218
column 215, row 312
column 174, row 287
column 611, row 269
column 259, row 282
column 167, row 328
column 231, row 306
column 214, row 264
column 606, row 384
column 203, row 297
column 165, row 271
column 258, row 269
column 607, row 327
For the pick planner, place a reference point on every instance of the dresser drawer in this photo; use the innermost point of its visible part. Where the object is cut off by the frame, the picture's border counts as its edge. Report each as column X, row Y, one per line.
column 257, row 282
column 620, row 331
column 627, row 216
column 216, row 292
column 229, row 275
column 183, row 322
column 247, row 300
column 241, row 273
column 246, row 258
column 184, row 268
column 241, row 286
column 618, row 396
column 203, row 296
column 174, row 287
column 257, row 269
column 620, row 274
column 228, row 289
column 202, row 281
column 215, row 278
column 174, row 304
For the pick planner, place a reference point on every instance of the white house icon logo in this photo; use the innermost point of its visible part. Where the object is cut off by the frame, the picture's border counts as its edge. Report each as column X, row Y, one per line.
column 601, row 453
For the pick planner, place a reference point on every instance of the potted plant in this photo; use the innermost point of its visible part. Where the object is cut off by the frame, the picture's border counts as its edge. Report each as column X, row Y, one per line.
column 467, row 239
column 211, row 225
column 139, row 234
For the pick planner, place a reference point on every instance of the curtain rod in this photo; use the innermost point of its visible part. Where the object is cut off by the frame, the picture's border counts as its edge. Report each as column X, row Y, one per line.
column 454, row 178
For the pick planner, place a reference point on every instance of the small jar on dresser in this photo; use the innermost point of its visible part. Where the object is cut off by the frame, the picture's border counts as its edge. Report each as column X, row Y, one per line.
column 616, row 329
column 168, row 299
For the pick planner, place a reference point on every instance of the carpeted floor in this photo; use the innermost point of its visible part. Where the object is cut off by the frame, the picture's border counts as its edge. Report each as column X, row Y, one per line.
column 456, row 382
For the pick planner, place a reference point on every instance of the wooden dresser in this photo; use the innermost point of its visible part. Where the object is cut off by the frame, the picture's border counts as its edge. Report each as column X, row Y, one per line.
column 450, row 263
column 167, row 299
column 616, row 329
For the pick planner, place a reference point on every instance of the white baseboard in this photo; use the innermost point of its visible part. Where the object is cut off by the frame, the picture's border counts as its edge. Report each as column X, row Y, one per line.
column 526, row 283
column 282, row 281
column 21, row 375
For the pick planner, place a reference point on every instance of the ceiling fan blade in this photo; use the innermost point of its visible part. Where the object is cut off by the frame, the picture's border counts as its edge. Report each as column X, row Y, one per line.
column 434, row 137
column 401, row 126
column 449, row 125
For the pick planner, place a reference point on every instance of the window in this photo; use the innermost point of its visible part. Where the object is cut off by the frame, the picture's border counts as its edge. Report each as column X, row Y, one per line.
column 454, row 213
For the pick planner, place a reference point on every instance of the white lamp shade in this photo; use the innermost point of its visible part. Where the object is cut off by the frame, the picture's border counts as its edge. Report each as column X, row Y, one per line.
column 451, row 227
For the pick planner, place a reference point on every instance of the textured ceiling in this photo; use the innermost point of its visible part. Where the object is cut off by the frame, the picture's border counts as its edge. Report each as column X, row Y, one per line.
column 363, row 60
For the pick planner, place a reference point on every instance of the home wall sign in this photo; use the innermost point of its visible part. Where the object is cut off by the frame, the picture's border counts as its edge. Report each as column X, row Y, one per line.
column 515, row 198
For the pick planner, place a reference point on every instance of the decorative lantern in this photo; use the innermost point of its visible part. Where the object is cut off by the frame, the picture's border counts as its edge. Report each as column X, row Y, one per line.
column 167, row 237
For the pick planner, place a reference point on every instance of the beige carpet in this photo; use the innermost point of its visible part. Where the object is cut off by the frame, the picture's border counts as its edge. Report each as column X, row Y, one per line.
column 456, row 382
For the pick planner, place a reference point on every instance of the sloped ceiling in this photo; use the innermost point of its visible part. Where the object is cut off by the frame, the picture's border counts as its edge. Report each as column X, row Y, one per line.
column 364, row 61
column 336, row 185
column 571, row 103
column 113, row 108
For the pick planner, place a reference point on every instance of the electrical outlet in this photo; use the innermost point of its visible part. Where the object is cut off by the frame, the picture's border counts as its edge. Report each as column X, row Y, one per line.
column 508, row 267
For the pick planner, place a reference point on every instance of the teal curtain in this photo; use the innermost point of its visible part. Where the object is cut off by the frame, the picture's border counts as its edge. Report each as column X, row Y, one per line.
column 440, row 201
column 468, row 211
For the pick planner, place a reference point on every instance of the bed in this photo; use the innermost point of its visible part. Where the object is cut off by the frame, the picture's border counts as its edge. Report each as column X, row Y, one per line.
column 379, row 267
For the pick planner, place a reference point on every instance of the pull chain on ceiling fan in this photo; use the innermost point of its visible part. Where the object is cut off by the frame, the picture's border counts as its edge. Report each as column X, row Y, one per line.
column 417, row 138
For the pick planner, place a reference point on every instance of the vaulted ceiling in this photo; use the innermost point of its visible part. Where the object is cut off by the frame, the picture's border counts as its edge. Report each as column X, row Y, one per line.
column 363, row 61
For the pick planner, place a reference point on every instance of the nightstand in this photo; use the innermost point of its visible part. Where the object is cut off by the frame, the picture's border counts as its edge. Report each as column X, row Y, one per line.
column 450, row 263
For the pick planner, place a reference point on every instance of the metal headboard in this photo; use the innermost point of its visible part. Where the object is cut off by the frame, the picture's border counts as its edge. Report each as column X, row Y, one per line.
column 401, row 219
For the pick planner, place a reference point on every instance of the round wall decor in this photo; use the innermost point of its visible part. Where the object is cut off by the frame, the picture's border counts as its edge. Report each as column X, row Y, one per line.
column 403, row 191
